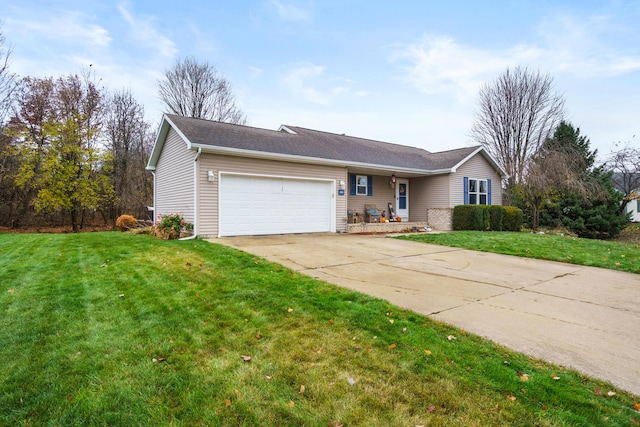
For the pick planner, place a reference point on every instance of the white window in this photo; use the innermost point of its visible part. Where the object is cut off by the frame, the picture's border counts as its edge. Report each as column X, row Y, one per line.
column 478, row 191
column 361, row 185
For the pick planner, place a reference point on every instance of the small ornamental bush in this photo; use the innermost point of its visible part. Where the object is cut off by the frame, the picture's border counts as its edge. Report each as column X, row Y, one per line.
column 170, row 226
column 125, row 222
column 513, row 219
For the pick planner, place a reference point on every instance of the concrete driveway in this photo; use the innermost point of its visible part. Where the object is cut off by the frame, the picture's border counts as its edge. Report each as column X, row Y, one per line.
column 581, row 317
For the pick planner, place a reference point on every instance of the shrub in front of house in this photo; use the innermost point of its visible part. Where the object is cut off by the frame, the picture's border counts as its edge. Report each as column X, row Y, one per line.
column 484, row 218
column 471, row 217
column 513, row 218
column 496, row 216
column 171, row 226
column 125, row 222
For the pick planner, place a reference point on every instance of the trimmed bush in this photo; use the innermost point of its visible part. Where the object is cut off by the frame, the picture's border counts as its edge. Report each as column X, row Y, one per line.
column 471, row 217
column 513, row 218
column 125, row 222
column 496, row 215
column 484, row 217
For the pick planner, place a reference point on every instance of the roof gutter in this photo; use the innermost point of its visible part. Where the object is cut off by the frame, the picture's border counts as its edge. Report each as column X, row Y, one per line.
column 195, row 196
column 313, row 160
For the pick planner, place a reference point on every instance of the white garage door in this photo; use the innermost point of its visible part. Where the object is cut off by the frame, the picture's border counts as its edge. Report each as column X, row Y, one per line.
column 251, row 205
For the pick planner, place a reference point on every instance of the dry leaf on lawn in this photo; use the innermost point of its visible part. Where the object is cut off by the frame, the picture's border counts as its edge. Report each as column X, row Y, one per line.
column 451, row 337
column 511, row 398
column 291, row 404
column 289, row 310
column 392, row 346
column 302, row 389
column 246, row 358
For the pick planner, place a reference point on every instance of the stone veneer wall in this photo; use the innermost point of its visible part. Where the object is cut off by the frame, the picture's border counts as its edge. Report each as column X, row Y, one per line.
column 440, row 218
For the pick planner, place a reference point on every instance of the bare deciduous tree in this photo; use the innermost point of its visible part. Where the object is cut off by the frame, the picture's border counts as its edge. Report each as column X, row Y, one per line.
column 7, row 80
column 516, row 113
column 128, row 141
column 625, row 165
column 195, row 89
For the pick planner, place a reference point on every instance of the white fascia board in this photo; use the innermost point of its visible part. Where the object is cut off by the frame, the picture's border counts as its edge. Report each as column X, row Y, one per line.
column 158, row 144
column 313, row 160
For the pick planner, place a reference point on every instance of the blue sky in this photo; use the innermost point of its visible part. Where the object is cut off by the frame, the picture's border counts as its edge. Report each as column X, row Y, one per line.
column 404, row 72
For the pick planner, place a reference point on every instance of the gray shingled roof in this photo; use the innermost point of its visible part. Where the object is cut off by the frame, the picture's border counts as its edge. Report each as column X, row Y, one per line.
column 315, row 144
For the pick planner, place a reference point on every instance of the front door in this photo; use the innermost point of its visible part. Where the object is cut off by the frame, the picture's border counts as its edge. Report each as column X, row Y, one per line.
column 402, row 199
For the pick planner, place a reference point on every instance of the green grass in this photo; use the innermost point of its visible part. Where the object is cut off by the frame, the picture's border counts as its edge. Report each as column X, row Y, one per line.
column 614, row 255
column 84, row 316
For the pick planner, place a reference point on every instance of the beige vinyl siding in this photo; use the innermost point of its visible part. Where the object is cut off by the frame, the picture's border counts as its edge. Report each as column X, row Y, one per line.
column 208, row 191
column 476, row 168
column 382, row 194
column 426, row 193
column 174, row 178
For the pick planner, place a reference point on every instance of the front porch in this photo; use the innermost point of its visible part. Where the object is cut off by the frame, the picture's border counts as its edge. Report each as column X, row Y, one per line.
column 387, row 227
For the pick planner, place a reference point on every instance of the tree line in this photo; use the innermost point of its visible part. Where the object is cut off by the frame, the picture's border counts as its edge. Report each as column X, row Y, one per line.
column 73, row 153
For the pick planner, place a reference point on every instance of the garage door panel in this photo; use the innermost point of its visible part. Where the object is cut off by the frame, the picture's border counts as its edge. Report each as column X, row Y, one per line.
column 252, row 205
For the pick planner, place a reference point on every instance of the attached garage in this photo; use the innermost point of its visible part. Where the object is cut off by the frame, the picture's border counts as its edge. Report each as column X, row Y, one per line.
column 255, row 204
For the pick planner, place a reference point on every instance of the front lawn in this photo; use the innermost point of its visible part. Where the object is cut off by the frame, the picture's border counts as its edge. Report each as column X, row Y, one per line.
column 615, row 255
column 122, row 330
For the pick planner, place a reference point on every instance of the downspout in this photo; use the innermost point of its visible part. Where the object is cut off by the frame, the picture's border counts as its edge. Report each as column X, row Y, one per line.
column 195, row 196
column 154, row 197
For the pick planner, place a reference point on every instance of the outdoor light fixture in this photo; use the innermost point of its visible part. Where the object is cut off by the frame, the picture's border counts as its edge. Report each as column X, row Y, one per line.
column 341, row 184
column 210, row 176
column 392, row 182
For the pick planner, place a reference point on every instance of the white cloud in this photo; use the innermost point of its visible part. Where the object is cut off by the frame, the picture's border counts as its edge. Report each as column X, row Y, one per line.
column 67, row 26
column 297, row 82
column 291, row 13
column 144, row 31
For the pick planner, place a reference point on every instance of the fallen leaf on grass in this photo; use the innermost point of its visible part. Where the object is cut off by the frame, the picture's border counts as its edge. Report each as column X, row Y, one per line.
column 511, row 398
column 258, row 336
column 523, row 377
column 227, row 402
column 289, row 310
column 267, row 377
column 188, row 264
column 636, row 406
column 11, row 291
column 291, row 404
column 544, row 407
column 598, row 392
column 331, row 321
column 246, row 358
column 159, row 359
column 451, row 337
column 392, row 346
column 611, row 393
column 391, row 321
column 427, row 352
column 431, row 409
column 351, row 381
column 302, row 389
column 554, row 377
column 404, row 330
column 237, row 392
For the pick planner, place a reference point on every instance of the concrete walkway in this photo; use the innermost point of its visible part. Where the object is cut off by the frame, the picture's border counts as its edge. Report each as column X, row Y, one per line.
column 581, row 317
